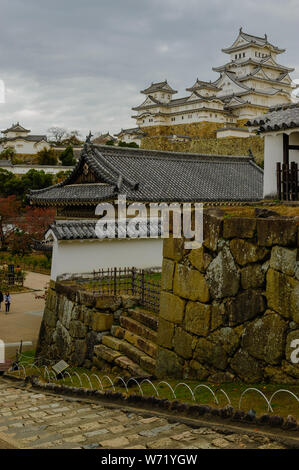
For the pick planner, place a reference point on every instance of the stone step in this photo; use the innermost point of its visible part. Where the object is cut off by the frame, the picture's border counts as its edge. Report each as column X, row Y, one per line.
column 145, row 317
column 143, row 344
column 148, row 347
column 104, row 352
column 120, row 358
column 112, row 342
column 146, row 362
column 138, row 328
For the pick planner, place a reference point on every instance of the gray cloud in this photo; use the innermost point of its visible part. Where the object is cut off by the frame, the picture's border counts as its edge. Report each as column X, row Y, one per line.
column 81, row 65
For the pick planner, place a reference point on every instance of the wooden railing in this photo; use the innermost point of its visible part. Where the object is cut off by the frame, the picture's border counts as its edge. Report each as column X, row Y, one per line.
column 287, row 181
column 145, row 284
column 11, row 279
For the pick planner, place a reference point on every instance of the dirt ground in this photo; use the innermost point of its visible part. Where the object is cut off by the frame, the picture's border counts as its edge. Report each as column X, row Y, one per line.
column 24, row 319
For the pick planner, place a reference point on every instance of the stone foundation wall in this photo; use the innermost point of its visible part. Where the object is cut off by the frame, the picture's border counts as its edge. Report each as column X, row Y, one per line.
column 196, row 129
column 230, row 310
column 226, row 146
column 75, row 321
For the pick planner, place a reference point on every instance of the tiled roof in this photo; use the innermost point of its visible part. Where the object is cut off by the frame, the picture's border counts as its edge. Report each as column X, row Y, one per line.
column 278, row 117
column 86, row 229
column 131, row 131
column 154, row 176
column 255, row 40
column 16, row 128
column 28, row 138
column 159, row 86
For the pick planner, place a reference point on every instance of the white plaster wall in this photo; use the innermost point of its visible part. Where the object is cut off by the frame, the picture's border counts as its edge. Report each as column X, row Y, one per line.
column 273, row 153
column 232, row 133
column 27, row 147
column 23, row 169
column 85, row 256
column 294, row 154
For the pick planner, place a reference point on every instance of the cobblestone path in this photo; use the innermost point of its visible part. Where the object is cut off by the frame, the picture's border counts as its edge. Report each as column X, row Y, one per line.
column 37, row 420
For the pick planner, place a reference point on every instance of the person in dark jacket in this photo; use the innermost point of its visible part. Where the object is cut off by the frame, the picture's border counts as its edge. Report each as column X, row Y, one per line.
column 7, row 301
column 1, row 298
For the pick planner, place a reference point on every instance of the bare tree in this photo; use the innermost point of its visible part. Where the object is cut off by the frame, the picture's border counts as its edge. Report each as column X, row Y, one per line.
column 57, row 133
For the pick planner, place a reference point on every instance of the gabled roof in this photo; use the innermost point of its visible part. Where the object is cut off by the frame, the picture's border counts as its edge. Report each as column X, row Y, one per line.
column 86, row 229
column 131, row 131
column 253, row 41
column 28, row 138
column 158, row 86
column 232, row 76
column 154, row 176
column 201, row 85
column 203, row 98
column 15, row 128
column 245, row 61
column 149, row 101
column 279, row 117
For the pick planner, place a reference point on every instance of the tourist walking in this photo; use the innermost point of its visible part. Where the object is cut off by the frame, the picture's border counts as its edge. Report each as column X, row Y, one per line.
column 1, row 298
column 7, row 301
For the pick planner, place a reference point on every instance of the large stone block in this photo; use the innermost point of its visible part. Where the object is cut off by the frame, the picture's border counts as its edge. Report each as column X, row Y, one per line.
column 246, row 367
column 265, row 338
column 183, row 343
column 277, row 232
column 66, row 308
column 168, row 364
column 190, row 284
column 78, row 355
column 86, row 298
column 284, row 260
column 244, row 307
column 229, row 338
column 245, row 252
column 173, row 248
column 62, row 341
column 196, row 371
column 239, row 227
column 108, row 302
column 171, row 307
column 282, row 294
column 50, row 317
column 101, row 321
column 167, row 274
column 209, row 353
column 218, row 315
column 291, row 369
column 77, row 329
column 200, row 259
column 197, row 318
column 252, row 276
column 278, row 376
column 165, row 333
column 212, row 230
column 223, row 276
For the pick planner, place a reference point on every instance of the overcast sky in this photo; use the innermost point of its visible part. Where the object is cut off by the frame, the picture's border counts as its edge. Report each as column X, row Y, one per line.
column 80, row 64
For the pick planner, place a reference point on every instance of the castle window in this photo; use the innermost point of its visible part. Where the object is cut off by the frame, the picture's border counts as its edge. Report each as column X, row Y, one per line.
column 236, row 56
column 182, row 117
column 243, row 54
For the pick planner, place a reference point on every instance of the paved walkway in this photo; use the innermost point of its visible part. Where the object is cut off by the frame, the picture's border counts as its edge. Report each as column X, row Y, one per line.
column 37, row 420
column 23, row 321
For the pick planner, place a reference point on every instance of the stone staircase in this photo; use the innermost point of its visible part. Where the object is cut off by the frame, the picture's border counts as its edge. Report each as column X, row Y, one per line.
column 132, row 344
